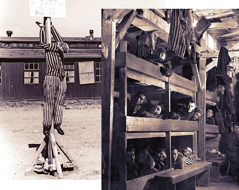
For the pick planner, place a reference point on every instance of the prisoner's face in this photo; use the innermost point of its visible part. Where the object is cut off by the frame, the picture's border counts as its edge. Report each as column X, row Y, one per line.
column 140, row 99
column 191, row 106
column 162, row 56
column 236, row 129
column 157, row 109
column 209, row 113
column 196, row 116
column 187, row 152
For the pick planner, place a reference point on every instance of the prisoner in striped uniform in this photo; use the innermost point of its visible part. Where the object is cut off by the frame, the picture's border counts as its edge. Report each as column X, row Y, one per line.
column 54, row 85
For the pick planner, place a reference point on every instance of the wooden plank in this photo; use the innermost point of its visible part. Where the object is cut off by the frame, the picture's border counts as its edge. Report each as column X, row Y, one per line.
column 145, row 78
column 143, row 66
column 215, row 54
column 182, row 133
column 37, row 154
column 177, row 175
column 196, row 74
column 167, row 97
column 211, row 65
column 168, row 142
column 224, row 25
column 56, row 156
column 149, row 21
column 118, row 14
column 230, row 34
column 145, row 135
column 138, row 124
column 108, row 78
column 124, row 26
column 212, row 129
column 181, row 90
column 141, row 183
column 195, row 143
column 202, row 105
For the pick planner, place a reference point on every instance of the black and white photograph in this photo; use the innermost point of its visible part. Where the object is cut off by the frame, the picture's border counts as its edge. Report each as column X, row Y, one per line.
column 50, row 91
column 170, row 80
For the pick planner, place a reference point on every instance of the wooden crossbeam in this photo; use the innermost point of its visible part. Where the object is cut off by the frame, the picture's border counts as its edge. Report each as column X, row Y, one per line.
column 108, row 82
column 230, row 34
column 118, row 14
column 221, row 15
column 149, row 21
column 211, row 65
column 123, row 27
column 223, row 25
column 39, row 150
column 215, row 54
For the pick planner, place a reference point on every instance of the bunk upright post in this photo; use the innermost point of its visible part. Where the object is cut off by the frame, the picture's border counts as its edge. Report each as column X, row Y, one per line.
column 168, row 143
column 108, row 79
column 122, row 136
column 202, row 105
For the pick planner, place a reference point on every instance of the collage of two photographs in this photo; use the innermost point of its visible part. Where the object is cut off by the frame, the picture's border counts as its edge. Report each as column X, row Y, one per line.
column 124, row 99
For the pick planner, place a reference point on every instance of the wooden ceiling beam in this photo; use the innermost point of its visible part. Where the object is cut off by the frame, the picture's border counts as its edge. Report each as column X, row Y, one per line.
column 230, row 34
column 221, row 15
column 234, row 53
column 223, row 25
column 149, row 21
column 118, row 14
column 124, row 26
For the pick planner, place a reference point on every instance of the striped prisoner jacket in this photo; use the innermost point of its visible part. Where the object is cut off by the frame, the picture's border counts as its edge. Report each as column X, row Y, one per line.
column 54, row 58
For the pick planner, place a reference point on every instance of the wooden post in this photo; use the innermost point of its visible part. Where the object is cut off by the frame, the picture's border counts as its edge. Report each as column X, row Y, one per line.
column 122, row 136
column 52, row 144
column 167, row 97
column 108, row 80
column 202, row 105
column 168, row 142
column 47, row 22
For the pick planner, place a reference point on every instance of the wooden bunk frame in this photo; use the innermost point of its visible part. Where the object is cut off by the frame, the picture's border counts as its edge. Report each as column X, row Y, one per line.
column 130, row 66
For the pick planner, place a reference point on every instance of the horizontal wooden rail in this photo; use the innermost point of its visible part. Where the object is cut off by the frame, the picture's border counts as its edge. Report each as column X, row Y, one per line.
column 141, row 182
column 140, row 135
column 142, row 124
column 212, row 129
column 133, row 63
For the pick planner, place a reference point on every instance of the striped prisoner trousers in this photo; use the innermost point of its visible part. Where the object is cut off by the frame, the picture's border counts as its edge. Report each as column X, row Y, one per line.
column 54, row 94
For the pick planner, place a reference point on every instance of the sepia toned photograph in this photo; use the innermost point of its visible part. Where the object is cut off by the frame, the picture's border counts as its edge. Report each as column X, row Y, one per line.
column 170, row 99
column 50, row 91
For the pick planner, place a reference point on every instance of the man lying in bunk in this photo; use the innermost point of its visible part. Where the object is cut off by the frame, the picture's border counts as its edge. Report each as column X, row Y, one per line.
column 136, row 106
column 190, row 112
column 132, row 167
column 155, row 111
column 160, row 160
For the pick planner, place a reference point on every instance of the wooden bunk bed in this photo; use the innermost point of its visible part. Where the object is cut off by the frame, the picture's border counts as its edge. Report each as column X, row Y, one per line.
column 129, row 66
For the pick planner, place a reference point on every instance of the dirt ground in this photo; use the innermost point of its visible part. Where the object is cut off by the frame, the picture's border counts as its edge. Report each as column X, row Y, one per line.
column 21, row 126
